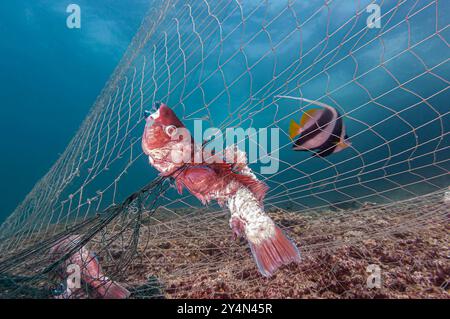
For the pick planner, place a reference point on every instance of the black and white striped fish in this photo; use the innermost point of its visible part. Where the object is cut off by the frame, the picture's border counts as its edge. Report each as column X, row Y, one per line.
column 321, row 130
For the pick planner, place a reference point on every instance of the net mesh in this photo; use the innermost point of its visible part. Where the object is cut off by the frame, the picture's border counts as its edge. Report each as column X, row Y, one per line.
column 244, row 64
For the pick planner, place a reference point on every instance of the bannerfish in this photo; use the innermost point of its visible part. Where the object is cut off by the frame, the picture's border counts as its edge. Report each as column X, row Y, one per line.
column 321, row 130
column 231, row 184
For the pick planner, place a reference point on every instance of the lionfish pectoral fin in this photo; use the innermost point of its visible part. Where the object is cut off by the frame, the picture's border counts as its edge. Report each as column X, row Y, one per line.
column 258, row 188
column 274, row 252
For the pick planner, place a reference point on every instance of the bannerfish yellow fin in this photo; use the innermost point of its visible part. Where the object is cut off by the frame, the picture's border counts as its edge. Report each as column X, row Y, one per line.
column 293, row 129
column 343, row 144
column 307, row 116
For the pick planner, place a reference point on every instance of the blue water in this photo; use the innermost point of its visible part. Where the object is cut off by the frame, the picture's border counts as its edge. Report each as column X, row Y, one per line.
column 409, row 149
column 50, row 76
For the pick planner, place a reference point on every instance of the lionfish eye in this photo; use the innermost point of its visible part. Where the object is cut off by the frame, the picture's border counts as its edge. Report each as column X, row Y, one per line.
column 147, row 113
column 171, row 130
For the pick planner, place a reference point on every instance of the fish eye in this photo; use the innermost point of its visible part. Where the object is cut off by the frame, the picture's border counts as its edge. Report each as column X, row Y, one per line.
column 171, row 130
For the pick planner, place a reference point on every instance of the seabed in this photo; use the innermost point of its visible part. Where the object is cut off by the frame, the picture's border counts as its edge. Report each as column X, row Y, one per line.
column 193, row 255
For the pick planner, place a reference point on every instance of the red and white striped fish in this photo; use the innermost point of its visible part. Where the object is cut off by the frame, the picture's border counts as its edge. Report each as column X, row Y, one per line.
column 231, row 184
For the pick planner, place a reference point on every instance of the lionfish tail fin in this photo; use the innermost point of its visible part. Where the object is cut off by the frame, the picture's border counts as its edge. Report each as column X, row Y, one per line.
column 274, row 252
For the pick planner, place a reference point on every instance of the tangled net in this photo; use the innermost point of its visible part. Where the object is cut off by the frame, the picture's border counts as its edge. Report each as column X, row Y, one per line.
column 383, row 201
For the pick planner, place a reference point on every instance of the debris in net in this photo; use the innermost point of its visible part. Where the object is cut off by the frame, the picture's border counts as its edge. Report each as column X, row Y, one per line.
column 22, row 288
column 152, row 289
column 86, row 263
column 235, row 185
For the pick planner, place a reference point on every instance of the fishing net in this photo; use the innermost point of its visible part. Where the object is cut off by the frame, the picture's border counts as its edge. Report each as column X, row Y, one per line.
column 245, row 64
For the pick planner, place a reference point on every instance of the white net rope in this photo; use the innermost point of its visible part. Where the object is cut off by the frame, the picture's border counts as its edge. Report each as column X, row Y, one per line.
column 244, row 64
